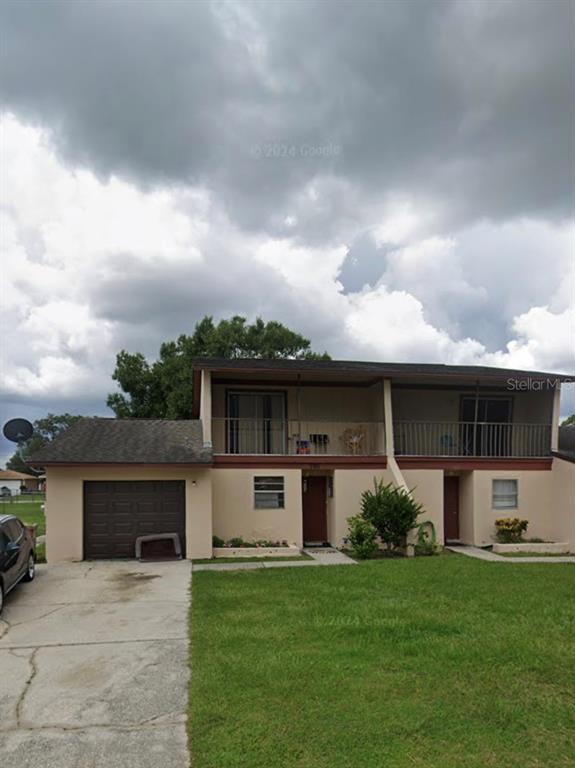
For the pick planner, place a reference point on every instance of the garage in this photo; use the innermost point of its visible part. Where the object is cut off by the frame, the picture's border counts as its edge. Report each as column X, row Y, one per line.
column 112, row 480
column 117, row 512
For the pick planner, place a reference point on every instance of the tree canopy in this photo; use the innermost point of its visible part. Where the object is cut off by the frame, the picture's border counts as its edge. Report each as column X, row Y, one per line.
column 45, row 430
column 163, row 388
column 569, row 420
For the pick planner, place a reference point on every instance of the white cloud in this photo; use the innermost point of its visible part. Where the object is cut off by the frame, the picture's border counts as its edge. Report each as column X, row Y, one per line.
column 545, row 341
column 91, row 265
column 52, row 377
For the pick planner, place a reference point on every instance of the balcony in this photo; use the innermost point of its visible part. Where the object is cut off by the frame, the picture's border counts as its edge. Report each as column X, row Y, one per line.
column 464, row 438
column 245, row 436
column 281, row 437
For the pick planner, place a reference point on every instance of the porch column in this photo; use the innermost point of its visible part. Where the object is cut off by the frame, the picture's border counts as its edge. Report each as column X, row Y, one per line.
column 388, row 418
column 392, row 465
column 555, row 417
column 206, row 407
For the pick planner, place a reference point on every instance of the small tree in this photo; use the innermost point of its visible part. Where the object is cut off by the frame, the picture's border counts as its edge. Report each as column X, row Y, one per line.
column 362, row 537
column 392, row 512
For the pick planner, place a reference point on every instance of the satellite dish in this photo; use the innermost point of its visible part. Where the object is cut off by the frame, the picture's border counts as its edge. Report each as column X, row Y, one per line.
column 18, row 430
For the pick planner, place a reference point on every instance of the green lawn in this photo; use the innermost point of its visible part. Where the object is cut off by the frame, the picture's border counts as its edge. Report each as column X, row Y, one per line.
column 428, row 662
column 28, row 510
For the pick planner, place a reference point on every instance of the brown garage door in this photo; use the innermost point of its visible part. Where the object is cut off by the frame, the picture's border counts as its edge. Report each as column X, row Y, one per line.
column 117, row 512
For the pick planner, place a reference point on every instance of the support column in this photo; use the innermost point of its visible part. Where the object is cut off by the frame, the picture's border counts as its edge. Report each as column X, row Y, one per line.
column 388, row 418
column 206, row 407
column 555, row 417
column 392, row 465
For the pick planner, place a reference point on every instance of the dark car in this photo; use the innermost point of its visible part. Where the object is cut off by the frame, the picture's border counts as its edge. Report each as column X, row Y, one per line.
column 17, row 555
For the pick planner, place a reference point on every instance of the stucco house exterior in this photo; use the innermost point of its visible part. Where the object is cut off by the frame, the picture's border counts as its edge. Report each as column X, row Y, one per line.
column 282, row 450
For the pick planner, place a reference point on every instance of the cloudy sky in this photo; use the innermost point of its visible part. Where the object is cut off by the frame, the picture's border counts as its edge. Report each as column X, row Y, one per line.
column 395, row 180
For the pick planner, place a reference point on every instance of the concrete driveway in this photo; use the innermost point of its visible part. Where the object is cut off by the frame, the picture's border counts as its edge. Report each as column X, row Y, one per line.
column 94, row 667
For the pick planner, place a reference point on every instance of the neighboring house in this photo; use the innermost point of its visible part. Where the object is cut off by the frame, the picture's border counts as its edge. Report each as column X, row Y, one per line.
column 282, row 450
column 16, row 482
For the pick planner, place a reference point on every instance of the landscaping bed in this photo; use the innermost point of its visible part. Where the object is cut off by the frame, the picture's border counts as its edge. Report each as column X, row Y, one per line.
column 260, row 552
column 537, row 554
column 533, row 548
column 252, row 559
column 440, row 662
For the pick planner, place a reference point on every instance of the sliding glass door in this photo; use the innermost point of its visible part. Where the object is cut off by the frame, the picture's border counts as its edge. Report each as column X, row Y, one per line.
column 486, row 427
column 256, row 422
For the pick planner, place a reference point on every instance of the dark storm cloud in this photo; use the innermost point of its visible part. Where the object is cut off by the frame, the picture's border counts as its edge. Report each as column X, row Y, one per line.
column 470, row 104
column 154, row 302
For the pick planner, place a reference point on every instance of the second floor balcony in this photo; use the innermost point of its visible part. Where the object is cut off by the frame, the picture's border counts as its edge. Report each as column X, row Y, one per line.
column 260, row 436
column 251, row 436
column 354, row 409
column 474, row 439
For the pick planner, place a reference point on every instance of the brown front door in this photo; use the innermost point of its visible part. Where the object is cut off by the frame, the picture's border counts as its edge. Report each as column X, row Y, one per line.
column 451, row 507
column 314, row 512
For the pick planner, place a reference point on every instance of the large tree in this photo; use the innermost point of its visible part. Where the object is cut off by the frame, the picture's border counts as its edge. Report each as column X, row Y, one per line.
column 163, row 389
column 45, row 430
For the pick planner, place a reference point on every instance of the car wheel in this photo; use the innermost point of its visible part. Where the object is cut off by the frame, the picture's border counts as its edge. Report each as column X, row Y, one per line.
column 30, row 569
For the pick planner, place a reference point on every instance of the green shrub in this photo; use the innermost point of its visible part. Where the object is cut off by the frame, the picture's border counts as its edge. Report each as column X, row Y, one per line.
column 217, row 542
column 237, row 541
column 426, row 539
column 392, row 512
column 362, row 537
column 510, row 530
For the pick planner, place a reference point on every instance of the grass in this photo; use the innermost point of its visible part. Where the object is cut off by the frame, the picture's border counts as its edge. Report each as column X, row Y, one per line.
column 443, row 662
column 254, row 559
column 41, row 553
column 28, row 510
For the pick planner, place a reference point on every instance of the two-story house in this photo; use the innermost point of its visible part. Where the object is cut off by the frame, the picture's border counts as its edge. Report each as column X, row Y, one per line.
column 283, row 449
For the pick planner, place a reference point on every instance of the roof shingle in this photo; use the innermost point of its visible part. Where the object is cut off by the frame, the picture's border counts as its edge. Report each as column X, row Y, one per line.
column 126, row 441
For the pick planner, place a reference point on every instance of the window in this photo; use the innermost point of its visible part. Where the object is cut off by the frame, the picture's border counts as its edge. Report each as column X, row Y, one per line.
column 14, row 529
column 269, row 492
column 504, row 494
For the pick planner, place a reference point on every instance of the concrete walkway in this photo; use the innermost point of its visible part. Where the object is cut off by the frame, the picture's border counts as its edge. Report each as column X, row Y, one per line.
column 329, row 556
column 94, row 667
column 318, row 556
column 484, row 554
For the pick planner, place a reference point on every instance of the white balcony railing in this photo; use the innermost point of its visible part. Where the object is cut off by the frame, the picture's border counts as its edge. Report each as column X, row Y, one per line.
column 246, row 436
column 435, row 438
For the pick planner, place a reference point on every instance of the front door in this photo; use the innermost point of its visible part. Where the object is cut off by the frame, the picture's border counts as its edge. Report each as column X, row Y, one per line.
column 451, row 508
column 314, row 510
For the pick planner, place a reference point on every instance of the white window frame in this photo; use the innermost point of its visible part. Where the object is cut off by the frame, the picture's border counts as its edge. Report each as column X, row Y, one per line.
column 501, row 499
column 260, row 494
